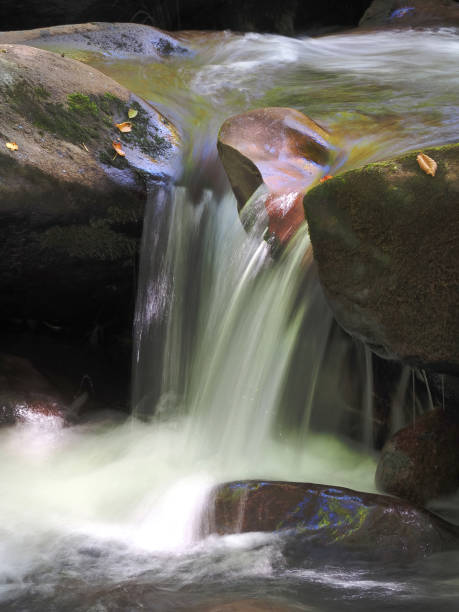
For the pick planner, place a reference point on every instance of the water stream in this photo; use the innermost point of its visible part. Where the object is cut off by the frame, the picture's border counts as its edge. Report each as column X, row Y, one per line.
column 240, row 371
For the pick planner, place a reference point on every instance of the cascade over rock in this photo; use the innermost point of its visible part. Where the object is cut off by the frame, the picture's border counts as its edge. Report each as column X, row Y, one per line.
column 71, row 208
column 411, row 14
column 331, row 517
column 386, row 240
column 282, row 149
column 421, row 461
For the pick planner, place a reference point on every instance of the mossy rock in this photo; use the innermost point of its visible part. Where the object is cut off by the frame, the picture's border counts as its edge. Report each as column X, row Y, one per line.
column 71, row 208
column 386, row 240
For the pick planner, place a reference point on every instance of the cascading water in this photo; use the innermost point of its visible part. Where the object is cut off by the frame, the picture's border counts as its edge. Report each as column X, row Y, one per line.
column 237, row 365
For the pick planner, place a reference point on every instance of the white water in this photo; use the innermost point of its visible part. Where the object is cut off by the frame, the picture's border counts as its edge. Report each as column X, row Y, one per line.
column 216, row 331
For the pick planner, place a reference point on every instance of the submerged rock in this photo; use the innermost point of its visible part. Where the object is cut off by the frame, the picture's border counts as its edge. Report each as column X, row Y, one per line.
column 386, row 240
column 282, row 149
column 421, row 461
column 333, row 518
column 72, row 208
column 411, row 14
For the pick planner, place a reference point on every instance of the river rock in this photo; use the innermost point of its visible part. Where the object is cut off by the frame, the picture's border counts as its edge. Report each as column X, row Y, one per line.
column 281, row 149
column 116, row 39
column 411, row 14
column 71, row 208
column 421, row 461
column 386, row 240
column 26, row 396
column 333, row 518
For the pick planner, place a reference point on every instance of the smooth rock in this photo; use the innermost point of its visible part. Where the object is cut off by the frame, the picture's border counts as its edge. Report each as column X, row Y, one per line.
column 324, row 517
column 26, row 396
column 115, row 39
column 411, row 14
column 421, row 461
column 71, row 209
column 281, row 149
column 386, row 240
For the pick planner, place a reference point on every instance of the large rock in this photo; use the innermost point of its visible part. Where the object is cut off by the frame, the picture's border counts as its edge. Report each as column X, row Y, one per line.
column 71, row 209
column 411, row 14
column 386, row 240
column 330, row 518
column 281, row 149
column 115, row 39
column 421, row 461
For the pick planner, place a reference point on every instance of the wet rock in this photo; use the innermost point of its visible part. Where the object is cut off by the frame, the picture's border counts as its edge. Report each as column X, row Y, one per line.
column 329, row 518
column 411, row 14
column 386, row 240
column 421, row 461
column 26, row 396
column 281, row 149
column 115, row 39
column 71, row 208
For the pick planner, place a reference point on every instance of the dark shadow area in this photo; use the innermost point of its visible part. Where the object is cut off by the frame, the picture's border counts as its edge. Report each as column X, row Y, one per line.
column 287, row 17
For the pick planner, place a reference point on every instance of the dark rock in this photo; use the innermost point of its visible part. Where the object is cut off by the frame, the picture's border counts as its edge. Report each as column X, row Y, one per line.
column 25, row 395
column 330, row 518
column 421, row 461
column 282, row 149
column 386, row 240
column 71, row 210
column 411, row 14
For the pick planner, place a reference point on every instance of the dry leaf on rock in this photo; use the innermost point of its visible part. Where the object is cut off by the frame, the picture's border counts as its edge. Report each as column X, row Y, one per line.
column 132, row 113
column 327, row 177
column 12, row 146
column 118, row 148
column 427, row 164
column 126, row 126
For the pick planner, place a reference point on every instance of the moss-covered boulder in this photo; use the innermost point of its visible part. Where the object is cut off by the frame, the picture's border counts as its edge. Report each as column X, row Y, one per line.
column 114, row 39
column 412, row 14
column 281, row 149
column 421, row 461
column 71, row 208
column 328, row 518
column 386, row 240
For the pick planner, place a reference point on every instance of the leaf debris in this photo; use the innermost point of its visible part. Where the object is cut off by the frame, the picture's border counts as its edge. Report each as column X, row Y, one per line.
column 12, row 146
column 427, row 164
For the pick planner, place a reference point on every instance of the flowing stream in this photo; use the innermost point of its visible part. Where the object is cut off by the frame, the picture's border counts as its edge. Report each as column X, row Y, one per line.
column 239, row 371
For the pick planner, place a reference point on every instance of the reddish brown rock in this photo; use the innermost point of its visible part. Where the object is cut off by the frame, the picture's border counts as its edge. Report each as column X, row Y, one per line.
column 329, row 517
column 421, row 461
column 282, row 149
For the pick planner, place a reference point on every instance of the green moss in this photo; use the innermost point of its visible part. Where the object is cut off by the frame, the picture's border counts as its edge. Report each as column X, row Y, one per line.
column 141, row 136
column 82, row 104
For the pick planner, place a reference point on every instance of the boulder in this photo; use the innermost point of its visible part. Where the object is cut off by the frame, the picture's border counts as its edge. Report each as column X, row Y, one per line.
column 329, row 518
column 386, row 240
column 25, row 395
column 410, row 14
column 281, row 149
column 116, row 39
column 71, row 208
column 421, row 461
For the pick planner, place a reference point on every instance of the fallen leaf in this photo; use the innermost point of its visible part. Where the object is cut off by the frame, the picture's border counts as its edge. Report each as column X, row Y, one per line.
column 427, row 164
column 85, row 147
column 326, row 178
column 12, row 146
column 118, row 149
column 132, row 113
column 124, row 127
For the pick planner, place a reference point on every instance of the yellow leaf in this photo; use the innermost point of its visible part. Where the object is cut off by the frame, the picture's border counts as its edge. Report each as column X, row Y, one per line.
column 427, row 164
column 124, row 127
column 12, row 146
column 132, row 113
column 118, row 149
